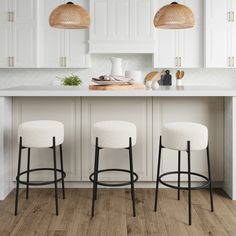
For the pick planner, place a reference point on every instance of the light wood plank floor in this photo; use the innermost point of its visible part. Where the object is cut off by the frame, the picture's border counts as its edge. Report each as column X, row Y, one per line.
column 114, row 214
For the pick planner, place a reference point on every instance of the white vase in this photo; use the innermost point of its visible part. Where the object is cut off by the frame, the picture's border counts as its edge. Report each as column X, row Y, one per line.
column 155, row 84
column 136, row 75
column 116, row 68
column 179, row 82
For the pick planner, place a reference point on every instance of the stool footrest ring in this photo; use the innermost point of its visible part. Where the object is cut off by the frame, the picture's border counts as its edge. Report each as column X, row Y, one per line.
column 38, row 183
column 205, row 184
column 91, row 177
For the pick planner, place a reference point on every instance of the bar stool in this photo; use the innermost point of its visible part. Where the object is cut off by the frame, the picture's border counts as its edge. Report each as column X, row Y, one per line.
column 113, row 135
column 184, row 136
column 40, row 134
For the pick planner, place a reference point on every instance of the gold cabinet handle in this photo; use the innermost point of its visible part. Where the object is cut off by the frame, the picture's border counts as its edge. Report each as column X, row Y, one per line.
column 12, row 16
column 229, row 61
column 180, row 61
column 9, row 16
column 176, row 61
column 61, row 61
column 232, row 16
column 65, row 61
column 9, row 61
column 229, row 16
column 232, row 62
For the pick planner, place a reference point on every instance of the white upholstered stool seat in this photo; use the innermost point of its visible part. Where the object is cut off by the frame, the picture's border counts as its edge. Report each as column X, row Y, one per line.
column 40, row 133
column 176, row 135
column 114, row 134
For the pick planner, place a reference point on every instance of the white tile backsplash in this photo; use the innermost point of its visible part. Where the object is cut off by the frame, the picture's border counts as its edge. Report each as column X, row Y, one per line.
column 101, row 65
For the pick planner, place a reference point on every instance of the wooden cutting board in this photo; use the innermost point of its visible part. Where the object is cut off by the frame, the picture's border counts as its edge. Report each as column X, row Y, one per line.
column 117, row 87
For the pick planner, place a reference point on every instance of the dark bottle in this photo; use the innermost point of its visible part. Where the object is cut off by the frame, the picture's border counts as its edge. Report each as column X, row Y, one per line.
column 167, row 78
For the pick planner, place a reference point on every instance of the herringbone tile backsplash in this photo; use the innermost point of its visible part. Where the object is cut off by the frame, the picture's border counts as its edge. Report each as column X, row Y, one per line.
column 101, row 65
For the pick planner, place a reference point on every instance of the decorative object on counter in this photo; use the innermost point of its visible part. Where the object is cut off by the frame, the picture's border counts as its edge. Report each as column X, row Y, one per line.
column 117, row 87
column 155, row 83
column 166, row 78
column 174, row 16
column 72, row 80
column 69, row 16
column 112, row 80
column 150, row 77
column 136, row 75
column 117, row 66
column 179, row 78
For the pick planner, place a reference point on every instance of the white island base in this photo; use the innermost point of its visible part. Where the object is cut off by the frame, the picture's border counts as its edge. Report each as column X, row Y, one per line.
column 79, row 109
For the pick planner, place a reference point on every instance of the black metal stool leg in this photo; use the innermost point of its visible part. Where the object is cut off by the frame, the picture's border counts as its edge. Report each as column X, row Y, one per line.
column 179, row 165
column 95, row 176
column 28, row 168
column 132, row 175
column 209, row 176
column 189, row 184
column 17, row 178
column 55, row 173
column 158, row 174
column 97, row 165
column 62, row 169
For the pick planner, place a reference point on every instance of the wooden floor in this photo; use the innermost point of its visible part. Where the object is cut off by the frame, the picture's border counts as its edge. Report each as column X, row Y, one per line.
column 114, row 214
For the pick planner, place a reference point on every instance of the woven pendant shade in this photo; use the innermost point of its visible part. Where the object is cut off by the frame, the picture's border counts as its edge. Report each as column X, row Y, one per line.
column 69, row 16
column 174, row 16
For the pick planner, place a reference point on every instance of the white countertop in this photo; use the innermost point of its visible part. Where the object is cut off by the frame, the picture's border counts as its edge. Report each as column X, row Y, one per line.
column 163, row 91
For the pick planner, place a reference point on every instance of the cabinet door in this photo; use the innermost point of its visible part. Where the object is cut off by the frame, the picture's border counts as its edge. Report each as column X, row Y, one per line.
column 217, row 33
column 60, row 109
column 76, row 45
column 101, row 109
column 121, row 26
column 166, row 45
column 165, row 55
column 190, row 43
column 24, row 33
column 5, row 34
column 143, row 20
column 5, row 45
column 207, row 111
column 51, row 40
column 99, row 19
column 233, row 33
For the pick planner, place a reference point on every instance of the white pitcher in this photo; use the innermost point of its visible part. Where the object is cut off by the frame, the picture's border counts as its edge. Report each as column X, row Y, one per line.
column 117, row 66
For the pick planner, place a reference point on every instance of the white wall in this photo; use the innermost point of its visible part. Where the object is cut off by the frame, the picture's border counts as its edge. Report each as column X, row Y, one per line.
column 101, row 65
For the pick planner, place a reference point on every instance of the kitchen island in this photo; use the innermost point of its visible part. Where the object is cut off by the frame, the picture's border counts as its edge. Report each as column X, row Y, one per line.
column 80, row 108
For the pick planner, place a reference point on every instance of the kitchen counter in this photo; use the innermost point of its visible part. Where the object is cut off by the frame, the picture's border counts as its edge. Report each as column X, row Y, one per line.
column 80, row 108
column 173, row 91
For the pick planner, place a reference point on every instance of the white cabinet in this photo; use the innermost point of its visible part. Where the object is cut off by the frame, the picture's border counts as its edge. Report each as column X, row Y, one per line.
column 65, row 110
column 121, row 26
column 136, row 110
column 220, row 34
column 59, row 47
column 207, row 111
column 18, row 33
column 180, row 48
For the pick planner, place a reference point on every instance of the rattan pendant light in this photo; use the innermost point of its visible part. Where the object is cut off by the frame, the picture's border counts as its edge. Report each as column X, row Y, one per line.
column 69, row 16
column 174, row 16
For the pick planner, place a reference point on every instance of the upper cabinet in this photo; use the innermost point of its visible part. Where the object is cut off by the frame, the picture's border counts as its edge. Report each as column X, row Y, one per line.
column 60, row 48
column 18, row 33
column 220, row 34
column 121, row 26
column 180, row 48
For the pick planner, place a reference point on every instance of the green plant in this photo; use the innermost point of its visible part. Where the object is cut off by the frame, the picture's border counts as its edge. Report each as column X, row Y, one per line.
column 72, row 80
